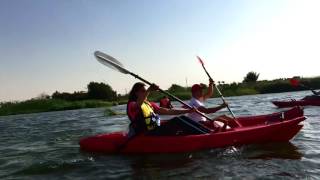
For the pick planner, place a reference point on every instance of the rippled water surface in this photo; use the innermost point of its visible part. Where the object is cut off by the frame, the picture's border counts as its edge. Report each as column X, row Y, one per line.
column 45, row 146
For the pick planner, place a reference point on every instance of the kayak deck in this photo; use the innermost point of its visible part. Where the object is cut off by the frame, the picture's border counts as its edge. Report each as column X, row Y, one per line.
column 276, row 127
column 292, row 103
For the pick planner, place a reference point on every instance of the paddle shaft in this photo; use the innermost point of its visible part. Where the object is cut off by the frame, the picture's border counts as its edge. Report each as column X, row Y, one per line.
column 109, row 60
column 170, row 95
column 219, row 92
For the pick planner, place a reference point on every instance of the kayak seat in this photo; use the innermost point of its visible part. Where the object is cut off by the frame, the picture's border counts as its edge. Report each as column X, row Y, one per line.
column 179, row 126
column 196, row 126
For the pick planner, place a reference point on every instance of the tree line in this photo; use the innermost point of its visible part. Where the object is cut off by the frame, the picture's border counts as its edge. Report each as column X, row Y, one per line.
column 96, row 90
column 249, row 85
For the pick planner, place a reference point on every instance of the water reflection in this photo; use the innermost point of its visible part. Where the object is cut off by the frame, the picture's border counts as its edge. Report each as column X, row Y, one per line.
column 285, row 150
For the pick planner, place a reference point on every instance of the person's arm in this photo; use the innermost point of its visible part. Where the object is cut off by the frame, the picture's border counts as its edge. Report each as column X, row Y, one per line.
column 212, row 109
column 210, row 90
column 165, row 111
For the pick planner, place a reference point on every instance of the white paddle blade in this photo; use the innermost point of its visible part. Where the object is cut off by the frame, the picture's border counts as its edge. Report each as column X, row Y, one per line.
column 110, row 62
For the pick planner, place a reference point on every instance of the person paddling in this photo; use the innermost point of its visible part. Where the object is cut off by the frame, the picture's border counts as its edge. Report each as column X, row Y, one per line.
column 144, row 114
column 295, row 82
column 197, row 100
column 165, row 103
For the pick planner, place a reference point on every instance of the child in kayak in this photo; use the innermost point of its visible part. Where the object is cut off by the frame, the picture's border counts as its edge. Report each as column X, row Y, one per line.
column 198, row 97
column 165, row 103
column 144, row 114
column 197, row 100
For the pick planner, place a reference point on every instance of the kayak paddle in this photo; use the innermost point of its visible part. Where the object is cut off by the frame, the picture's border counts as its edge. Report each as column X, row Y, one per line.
column 219, row 92
column 113, row 63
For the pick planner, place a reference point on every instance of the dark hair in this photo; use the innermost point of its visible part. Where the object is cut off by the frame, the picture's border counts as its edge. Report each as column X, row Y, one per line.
column 136, row 87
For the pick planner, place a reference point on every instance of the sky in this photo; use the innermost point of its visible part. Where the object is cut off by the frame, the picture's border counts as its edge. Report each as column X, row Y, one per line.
column 48, row 45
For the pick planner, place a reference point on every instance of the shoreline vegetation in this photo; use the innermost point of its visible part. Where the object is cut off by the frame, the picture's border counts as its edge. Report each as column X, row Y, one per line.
column 102, row 95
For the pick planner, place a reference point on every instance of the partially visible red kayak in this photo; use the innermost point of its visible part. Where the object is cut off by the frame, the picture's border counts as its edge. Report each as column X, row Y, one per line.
column 276, row 127
column 292, row 103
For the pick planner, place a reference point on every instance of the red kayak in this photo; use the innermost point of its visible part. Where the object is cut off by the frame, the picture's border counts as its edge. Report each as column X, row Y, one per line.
column 292, row 103
column 276, row 127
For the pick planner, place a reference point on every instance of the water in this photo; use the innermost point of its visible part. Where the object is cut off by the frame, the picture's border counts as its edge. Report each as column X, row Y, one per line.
column 45, row 146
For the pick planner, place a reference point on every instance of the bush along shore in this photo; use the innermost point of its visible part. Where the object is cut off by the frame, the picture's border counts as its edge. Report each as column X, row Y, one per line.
column 46, row 105
column 102, row 95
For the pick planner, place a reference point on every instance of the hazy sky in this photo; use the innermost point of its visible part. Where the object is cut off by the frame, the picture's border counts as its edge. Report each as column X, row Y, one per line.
column 48, row 45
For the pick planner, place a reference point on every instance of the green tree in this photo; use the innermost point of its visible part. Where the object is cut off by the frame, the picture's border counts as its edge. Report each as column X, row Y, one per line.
column 176, row 88
column 42, row 96
column 251, row 77
column 101, row 91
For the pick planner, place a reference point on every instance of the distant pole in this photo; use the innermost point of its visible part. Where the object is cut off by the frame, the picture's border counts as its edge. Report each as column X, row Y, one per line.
column 186, row 82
